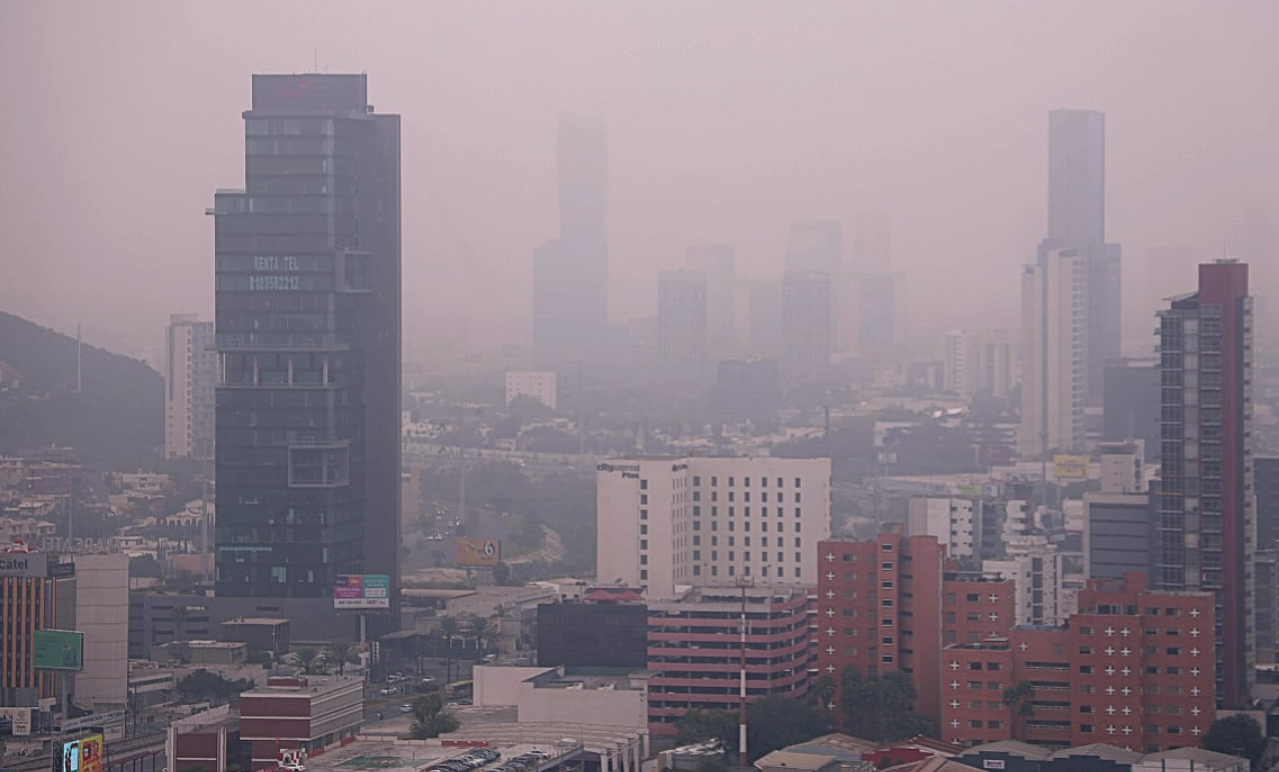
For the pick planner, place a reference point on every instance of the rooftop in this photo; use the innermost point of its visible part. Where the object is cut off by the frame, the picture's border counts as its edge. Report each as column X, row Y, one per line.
column 793, row 760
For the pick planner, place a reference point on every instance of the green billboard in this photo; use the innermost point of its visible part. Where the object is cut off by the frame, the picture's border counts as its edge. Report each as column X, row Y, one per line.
column 58, row 650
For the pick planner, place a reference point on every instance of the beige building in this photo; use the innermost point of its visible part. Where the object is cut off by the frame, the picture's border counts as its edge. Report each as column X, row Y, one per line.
column 190, row 375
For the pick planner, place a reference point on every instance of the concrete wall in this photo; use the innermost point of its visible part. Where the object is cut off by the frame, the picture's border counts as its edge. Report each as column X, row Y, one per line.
column 102, row 614
column 499, row 686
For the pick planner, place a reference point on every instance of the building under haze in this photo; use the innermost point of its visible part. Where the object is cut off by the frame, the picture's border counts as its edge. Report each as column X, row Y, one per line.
column 570, row 273
column 308, row 339
column 978, row 361
column 190, row 374
column 664, row 523
column 717, row 262
column 1054, row 372
column 682, row 329
column 1205, row 508
column 1077, row 220
column 808, row 327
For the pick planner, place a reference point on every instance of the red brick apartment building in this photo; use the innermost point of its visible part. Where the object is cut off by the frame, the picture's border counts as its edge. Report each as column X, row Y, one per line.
column 299, row 713
column 1133, row 668
column 890, row 604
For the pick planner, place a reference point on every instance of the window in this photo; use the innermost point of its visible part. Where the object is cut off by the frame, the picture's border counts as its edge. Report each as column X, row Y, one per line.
column 798, row 482
column 643, row 514
column 643, row 485
column 697, row 480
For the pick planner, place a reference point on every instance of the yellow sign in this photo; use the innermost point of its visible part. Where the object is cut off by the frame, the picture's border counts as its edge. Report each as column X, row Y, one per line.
column 91, row 753
column 1070, row 467
column 482, row 553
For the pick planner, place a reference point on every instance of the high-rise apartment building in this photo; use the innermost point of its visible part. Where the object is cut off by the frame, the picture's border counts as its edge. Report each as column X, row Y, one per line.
column 815, row 246
column 1077, row 220
column 1205, row 515
column 1131, row 406
column 1054, row 373
column 682, row 327
column 664, row 523
column 570, row 273
column 1132, row 668
column 890, row 604
column 808, row 327
column 978, row 361
column 872, row 242
column 540, row 386
column 190, row 375
column 308, row 339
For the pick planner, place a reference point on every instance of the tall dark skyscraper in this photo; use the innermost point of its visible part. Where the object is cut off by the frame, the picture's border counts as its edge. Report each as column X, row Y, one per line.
column 1077, row 220
column 308, row 338
column 1205, row 518
column 570, row 273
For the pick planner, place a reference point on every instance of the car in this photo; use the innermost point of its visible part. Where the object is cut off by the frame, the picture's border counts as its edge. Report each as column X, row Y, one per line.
column 387, row 690
column 406, row 708
column 543, row 755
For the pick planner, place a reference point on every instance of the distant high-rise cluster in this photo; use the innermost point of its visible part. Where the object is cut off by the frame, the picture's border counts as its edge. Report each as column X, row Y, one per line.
column 570, row 273
column 1071, row 312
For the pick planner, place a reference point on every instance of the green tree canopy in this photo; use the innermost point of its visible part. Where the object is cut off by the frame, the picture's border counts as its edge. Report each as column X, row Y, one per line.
column 430, row 719
column 699, row 726
column 776, row 722
column 1237, row 735
column 881, row 708
column 207, row 686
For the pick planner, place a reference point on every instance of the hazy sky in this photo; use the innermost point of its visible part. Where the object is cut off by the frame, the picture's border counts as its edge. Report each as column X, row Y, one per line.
column 726, row 121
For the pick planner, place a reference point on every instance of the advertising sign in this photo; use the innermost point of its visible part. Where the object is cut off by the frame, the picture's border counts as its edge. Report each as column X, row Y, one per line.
column 481, row 553
column 20, row 718
column 24, row 564
column 1070, row 467
column 70, row 757
column 57, row 650
column 91, row 753
column 362, row 591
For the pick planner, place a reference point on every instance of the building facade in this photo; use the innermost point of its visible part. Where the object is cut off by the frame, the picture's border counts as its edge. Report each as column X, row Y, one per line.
column 1133, row 668
column 891, row 604
column 683, row 327
column 1205, row 508
column 33, row 596
column 1054, row 373
column 308, row 339
column 538, row 385
column 808, row 327
column 978, row 361
column 695, row 650
column 190, row 376
column 666, row 523
column 300, row 714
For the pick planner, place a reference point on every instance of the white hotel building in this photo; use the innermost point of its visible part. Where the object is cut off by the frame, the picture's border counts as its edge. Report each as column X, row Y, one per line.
column 665, row 523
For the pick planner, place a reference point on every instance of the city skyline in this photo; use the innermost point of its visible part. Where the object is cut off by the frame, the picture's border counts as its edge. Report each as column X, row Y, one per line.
column 717, row 174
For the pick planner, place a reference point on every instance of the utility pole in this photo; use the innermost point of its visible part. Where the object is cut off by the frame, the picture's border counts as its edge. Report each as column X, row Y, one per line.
column 743, row 584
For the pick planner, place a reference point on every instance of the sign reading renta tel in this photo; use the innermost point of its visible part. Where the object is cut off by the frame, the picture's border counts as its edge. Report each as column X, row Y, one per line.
column 357, row 591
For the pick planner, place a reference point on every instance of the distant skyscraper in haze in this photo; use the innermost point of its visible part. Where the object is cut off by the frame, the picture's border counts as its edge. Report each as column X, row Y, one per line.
column 815, row 245
column 1205, row 509
column 1077, row 220
column 716, row 261
column 807, row 327
column 978, row 361
column 190, row 374
column 682, row 327
column 872, row 243
column 1054, row 303
column 570, row 273
column 308, row 339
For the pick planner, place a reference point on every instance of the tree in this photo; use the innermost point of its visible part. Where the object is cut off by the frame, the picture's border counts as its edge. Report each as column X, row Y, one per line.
column 1237, row 735
column 824, row 691
column 447, row 627
column 343, row 652
column 776, row 722
column 501, row 574
column 1018, row 697
column 881, row 708
column 308, row 658
column 207, row 686
column 481, row 629
column 429, row 717
column 699, row 726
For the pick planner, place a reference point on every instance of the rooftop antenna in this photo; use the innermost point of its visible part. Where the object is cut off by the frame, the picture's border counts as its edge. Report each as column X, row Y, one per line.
column 77, row 357
column 315, row 60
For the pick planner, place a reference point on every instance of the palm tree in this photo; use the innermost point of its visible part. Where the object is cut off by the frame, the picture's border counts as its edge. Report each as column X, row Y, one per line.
column 342, row 652
column 447, row 627
column 481, row 629
column 308, row 659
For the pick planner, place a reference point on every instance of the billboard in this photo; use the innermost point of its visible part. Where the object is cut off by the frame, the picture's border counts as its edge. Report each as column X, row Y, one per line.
column 82, row 755
column 481, row 553
column 19, row 718
column 24, row 564
column 1070, row 467
column 57, row 650
column 362, row 591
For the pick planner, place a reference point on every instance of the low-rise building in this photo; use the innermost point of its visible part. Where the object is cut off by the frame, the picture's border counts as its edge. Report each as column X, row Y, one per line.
column 300, row 714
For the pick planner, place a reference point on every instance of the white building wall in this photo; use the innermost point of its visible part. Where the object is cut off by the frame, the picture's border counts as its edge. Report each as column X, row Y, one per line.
column 950, row 520
column 537, row 385
column 102, row 614
column 710, row 520
column 1054, row 353
column 190, row 377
